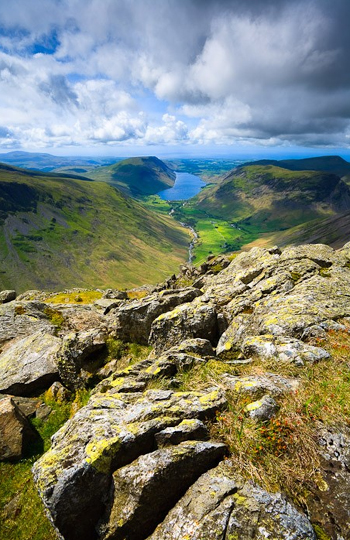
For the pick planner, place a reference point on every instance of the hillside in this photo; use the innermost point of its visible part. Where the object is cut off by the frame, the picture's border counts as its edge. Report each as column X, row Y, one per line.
column 137, row 176
column 59, row 231
column 271, row 198
column 332, row 164
column 48, row 162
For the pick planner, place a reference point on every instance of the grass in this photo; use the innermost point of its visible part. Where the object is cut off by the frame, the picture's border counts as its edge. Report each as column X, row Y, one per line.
column 281, row 454
column 75, row 297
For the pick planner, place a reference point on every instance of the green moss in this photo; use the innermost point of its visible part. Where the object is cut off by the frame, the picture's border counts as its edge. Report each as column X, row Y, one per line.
column 55, row 317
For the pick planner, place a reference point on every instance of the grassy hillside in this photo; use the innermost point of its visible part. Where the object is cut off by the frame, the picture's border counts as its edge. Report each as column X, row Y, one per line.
column 271, row 198
column 138, row 176
column 334, row 231
column 58, row 232
column 332, row 164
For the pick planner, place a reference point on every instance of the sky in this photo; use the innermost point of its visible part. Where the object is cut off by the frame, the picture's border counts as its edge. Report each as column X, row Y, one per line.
column 181, row 77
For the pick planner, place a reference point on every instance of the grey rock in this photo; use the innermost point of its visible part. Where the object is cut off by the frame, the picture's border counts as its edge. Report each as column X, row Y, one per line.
column 185, row 431
column 258, row 385
column 132, row 322
column 74, row 359
column 29, row 364
column 15, row 431
column 20, row 319
column 106, row 304
column 7, row 296
column 148, row 488
column 263, row 409
column 220, row 504
column 111, row 431
column 188, row 321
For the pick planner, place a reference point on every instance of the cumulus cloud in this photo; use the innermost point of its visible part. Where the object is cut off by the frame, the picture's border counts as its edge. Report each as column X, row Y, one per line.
column 82, row 72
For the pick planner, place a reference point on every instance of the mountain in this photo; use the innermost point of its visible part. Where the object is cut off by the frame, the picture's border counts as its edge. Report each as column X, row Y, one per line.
column 270, row 198
column 332, row 164
column 58, row 230
column 137, row 176
column 48, row 162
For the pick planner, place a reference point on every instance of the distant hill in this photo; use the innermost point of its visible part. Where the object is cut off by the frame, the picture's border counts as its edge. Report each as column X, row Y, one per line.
column 137, row 176
column 270, row 198
column 58, row 231
column 332, row 164
column 48, row 162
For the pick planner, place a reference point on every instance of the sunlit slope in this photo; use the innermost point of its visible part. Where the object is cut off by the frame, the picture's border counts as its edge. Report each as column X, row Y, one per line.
column 137, row 176
column 58, row 232
column 270, row 198
column 332, row 164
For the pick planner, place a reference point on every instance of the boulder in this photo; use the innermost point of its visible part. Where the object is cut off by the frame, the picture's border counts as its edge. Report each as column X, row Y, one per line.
column 132, row 322
column 258, row 385
column 147, row 489
column 7, row 296
column 15, row 431
column 220, row 504
column 185, row 431
column 188, row 321
column 29, row 364
column 111, row 431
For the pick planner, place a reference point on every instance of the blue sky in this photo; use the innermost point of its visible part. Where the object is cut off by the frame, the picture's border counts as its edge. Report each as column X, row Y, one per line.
column 175, row 77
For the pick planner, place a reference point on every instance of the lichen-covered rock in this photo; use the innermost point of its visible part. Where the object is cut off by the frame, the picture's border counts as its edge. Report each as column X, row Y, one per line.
column 7, row 296
column 132, row 322
column 146, row 490
column 19, row 319
column 74, row 360
column 29, row 364
column 15, row 431
column 187, row 430
column 220, row 504
column 73, row 477
column 188, row 321
column 58, row 392
column 198, row 346
column 263, row 409
column 258, row 385
column 328, row 503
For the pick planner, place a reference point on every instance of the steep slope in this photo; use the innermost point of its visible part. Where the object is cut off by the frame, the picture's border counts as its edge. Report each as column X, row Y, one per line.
column 59, row 231
column 137, row 176
column 271, row 198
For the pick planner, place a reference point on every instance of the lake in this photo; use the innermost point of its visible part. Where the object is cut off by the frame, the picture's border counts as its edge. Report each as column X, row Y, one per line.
column 186, row 186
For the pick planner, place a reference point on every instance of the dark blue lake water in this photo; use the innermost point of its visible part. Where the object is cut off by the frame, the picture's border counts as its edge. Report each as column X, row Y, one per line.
column 186, row 186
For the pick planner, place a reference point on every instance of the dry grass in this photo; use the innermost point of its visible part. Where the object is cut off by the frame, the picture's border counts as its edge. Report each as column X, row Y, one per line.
column 281, row 454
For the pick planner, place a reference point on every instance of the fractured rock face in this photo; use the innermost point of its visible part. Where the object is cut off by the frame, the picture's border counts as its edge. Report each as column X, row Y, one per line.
column 29, row 364
column 132, row 322
column 220, row 504
column 146, row 489
column 188, row 321
column 19, row 319
column 73, row 477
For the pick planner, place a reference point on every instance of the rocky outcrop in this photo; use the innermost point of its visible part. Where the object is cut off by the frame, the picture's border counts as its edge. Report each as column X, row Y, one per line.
column 112, row 431
column 139, row 459
column 19, row 319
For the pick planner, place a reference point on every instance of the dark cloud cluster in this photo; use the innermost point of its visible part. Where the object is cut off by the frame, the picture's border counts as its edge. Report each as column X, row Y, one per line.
column 217, row 71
